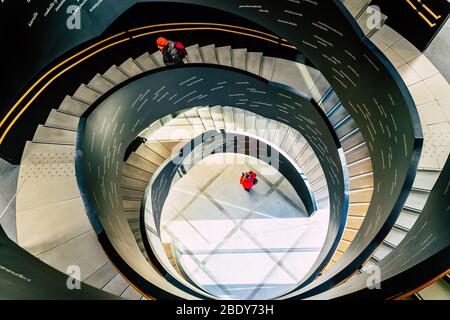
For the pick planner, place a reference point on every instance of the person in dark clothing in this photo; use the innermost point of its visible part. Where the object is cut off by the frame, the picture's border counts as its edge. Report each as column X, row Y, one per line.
column 173, row 52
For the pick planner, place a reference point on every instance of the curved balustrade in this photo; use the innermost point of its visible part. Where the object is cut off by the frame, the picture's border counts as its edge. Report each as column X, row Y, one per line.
column 111, row 126
column 199, row 148
column 422, row 255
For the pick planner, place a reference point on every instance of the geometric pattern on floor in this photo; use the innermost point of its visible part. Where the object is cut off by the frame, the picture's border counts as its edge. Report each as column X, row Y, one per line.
column 239, row 245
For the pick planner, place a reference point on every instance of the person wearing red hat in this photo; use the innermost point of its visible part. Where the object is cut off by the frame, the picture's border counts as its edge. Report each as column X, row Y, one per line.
column 248, row 180
column 173, row 52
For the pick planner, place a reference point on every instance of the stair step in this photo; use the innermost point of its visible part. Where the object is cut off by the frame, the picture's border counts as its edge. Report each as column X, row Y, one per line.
column 145, row 152
column 62, row 120
column 326, row 94
column 271, row 129
column 360, row 167
column 348, row 125
column 352, row 139
column 290, row 139
column 217, row 116
column 395, row 236
column 356, row 7
column 130, row 183
column 304, row 156
column 321, row 194
column 159, row 148
column 343, row 245
column 223, row 55
column 315, row 174
column 439, row 290
column 102, row 276
column 416, row 200
column 130, row 68
column 267, row 67
column 280, row 134
column 357, row 153
column 130, row 205
column 116, row 286
column 208, row 54
column 141, row 163
column 205, row 115
column 382, row 251
column 337, row 114
column 349, row 234
column 114, row 75
column 131, row 294
column 238, row 58
column 295, row 75
column 406, row 219
column 319, row 184
column 310, row 165
column 43, row 228
column 330, row 101
column 354, row 222
column 425, row 180
column 158, row 59
column 131, row 194
column 36, row 154
column 260, row 125
column 100, row 84
column 136, row 173
column 168, row 133
column 193, row 54
column 254, row 60
column 298, row 147
column 55, row 136
column 146, row 62
column 228, row 118
column 250, row 122
column 86, row 95
column 361, row 195
column 73, row 107
column 239, row 119
column 361, row 181
column 320, row 88
column 358, row 209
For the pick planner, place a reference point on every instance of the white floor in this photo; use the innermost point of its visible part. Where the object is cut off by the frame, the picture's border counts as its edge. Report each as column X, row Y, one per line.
column 240, row 245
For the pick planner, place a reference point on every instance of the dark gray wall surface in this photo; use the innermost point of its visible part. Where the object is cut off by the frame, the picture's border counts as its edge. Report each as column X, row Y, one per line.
column 25, row 277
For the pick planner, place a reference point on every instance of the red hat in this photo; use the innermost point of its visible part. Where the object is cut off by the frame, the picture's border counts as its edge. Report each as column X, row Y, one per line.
column 162, row 42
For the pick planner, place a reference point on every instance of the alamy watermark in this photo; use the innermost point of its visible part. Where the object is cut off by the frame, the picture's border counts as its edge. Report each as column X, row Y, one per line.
column 374, row 278
column 74, row 20
column 74, row 280
column 373, row 21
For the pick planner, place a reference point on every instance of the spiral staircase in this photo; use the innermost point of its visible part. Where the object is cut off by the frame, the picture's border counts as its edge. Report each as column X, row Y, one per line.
column 55, row 217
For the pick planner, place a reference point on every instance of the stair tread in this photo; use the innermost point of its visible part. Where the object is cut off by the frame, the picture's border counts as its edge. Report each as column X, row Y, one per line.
column 146, row 62
column 114, row 75
column 62, row 120
column 208, row 54
column 52, row 135
column 223, row 55
column 130, row 68
column 73, row 107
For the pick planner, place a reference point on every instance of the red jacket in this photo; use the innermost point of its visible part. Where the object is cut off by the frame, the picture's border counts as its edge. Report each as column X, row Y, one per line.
column 250, row 182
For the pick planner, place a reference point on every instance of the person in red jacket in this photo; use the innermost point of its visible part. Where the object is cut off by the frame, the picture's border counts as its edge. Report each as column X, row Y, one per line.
column 248, row 180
